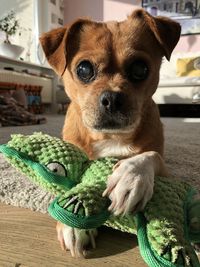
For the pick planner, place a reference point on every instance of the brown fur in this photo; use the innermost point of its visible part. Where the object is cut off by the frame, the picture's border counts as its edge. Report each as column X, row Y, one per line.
column 110, row 46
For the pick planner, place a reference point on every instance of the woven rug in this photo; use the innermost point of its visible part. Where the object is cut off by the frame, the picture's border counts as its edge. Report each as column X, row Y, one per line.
column 182, row 156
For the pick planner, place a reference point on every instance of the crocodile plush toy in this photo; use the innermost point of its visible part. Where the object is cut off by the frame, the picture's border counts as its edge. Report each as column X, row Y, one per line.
column 166, row 228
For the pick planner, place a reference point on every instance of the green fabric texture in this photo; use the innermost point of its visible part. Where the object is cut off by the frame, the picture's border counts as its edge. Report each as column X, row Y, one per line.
column 165, row 229
column 33, row 153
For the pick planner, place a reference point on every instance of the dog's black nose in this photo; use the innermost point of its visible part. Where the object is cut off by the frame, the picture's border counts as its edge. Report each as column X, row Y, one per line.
column 111, row 101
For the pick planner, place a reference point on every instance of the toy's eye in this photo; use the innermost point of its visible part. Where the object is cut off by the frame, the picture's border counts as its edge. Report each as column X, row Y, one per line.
column 138, row 71
column 57, row 168
column 85, row 71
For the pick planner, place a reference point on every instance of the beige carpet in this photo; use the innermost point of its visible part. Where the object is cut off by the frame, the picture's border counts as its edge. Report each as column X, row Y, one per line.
column 15, row 188
column 182, row 154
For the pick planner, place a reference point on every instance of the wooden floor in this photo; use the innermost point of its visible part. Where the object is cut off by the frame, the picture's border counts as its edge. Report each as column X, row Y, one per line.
column 28, row 239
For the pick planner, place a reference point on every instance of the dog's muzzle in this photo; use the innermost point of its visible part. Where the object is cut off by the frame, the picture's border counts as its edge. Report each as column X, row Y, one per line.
column 112, row 102
column 113, row 111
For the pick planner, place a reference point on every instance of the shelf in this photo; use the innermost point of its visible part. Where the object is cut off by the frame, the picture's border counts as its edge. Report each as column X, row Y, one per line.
column 4, row 59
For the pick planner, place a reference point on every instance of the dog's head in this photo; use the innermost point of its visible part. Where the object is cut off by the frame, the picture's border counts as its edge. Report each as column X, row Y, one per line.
column 111, row 70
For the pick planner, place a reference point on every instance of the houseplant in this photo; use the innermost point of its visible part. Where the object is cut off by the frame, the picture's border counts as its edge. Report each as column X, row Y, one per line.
column 10, row 26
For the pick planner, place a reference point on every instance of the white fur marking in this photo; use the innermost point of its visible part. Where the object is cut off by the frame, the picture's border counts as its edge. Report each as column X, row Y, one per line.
column 109, row 147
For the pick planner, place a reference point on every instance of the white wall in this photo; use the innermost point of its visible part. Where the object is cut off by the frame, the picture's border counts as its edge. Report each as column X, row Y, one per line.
column 34, row 15
column 24, row 10
column 44, row 10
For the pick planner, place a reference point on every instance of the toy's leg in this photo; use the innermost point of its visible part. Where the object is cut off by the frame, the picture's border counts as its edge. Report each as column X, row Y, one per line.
column 75, row 240
column 130, row 186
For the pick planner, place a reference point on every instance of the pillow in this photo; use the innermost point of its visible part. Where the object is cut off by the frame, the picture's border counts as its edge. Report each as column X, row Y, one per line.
column 20, row 96
column 188, row 67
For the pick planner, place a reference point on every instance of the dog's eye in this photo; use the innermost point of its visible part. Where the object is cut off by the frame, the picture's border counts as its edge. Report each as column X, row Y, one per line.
column 57, row 168
column 85, row 71
column 138, row 71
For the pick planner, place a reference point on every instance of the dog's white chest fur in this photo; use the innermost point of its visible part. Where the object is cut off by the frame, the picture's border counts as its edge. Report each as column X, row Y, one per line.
column 113, row 148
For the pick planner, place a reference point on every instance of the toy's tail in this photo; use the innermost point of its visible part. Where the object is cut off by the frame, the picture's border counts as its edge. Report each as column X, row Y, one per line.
column 185, row 256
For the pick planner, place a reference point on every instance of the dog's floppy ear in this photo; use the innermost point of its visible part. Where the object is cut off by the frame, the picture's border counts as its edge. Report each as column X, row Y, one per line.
column 54, row 46
column 166, row 30
column 60, row 44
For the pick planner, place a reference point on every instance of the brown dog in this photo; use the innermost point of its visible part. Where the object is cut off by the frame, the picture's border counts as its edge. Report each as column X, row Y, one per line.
column 110, row 71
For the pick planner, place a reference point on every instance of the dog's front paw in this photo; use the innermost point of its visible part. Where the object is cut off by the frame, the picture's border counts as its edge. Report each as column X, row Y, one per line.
column 75, row 240
column 130, row 186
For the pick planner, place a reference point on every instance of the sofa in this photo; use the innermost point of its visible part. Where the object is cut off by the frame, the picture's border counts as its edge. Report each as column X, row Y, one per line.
column 178, row 92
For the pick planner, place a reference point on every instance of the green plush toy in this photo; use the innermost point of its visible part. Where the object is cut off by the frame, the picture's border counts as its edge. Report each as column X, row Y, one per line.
column 165, row 229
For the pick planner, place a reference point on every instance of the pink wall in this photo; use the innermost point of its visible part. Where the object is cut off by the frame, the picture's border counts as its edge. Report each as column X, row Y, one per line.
column 103, row 10
column 100, row 10
column 118, row 10
column 188, row 43
column 83, row 8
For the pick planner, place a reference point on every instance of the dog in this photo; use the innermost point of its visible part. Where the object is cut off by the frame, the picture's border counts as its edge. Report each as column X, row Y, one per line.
column 110, row 71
